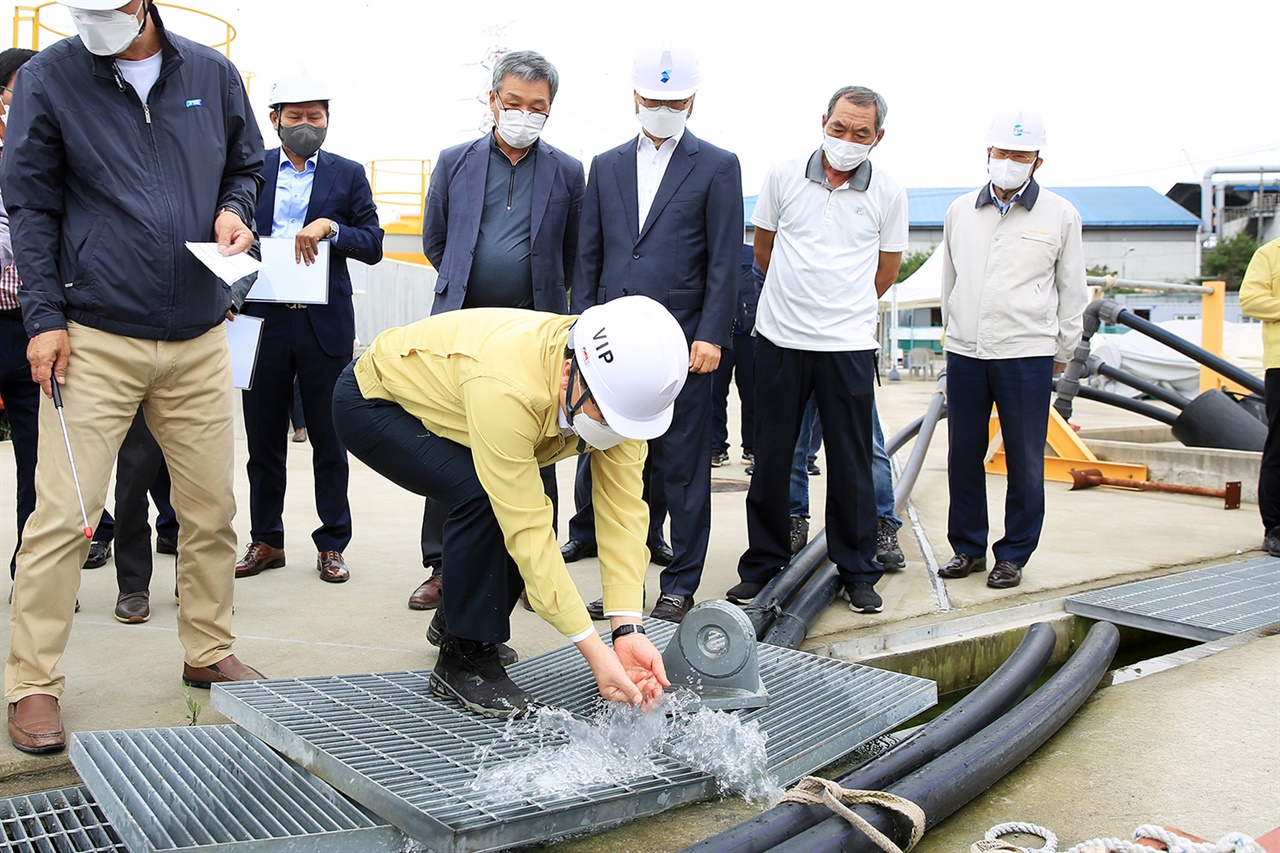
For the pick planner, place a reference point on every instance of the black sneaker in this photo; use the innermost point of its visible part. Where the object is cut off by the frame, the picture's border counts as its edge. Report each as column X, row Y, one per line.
column 98, row 553
column 719, row 458
column 799, row 533
column 471, row 673
column 748, row 457
column 813, row 469
column 437, row 630
column 744, row 593
column 888, row 554
column 1271, row 542
column 863, row 597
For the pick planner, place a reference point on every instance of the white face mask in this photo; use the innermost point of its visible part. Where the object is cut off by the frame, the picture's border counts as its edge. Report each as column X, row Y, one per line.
column 1008, row 174
column 519, row 128
column 844, row 156
column 598, row 435
column 110, row 32
column 662, row 122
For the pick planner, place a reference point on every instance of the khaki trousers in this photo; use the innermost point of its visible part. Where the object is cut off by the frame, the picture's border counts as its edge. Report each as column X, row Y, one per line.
column 184, row 388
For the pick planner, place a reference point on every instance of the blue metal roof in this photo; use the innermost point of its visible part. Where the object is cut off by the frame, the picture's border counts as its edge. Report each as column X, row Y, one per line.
column 1100, row 207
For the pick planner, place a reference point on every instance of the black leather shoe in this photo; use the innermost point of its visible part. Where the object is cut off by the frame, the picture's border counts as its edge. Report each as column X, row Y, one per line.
column 595, row 609
column 660, row 553
column 98, row 553
column 165, row 545
column 1005, row 575
column 573, row 550
column 1271, row 542
column 672, row 608
column 961, row 566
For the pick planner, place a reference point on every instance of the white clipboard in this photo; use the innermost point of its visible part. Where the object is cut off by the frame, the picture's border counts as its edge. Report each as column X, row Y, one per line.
column 244, row 334
column 283, row 279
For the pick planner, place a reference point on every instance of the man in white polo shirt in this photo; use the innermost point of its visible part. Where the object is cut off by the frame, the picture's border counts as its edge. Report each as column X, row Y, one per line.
column 830, row 232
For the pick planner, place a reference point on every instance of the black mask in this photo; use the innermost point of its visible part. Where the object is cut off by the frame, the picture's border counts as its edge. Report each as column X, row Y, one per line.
column 302, row 139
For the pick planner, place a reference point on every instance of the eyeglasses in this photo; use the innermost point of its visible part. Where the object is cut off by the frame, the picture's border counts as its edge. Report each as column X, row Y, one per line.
column 651, row 104
column 1015, row 156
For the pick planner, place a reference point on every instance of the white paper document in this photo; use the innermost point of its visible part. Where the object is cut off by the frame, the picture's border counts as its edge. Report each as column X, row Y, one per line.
column 243, row 337
column 283, row 279
column 231, row 268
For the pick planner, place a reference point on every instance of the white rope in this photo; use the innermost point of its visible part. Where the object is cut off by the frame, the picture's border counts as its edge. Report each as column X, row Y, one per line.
column 814, row 791
column 1234, row 842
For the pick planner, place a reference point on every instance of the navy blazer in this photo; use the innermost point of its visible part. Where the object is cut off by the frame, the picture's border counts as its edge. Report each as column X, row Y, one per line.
column 451, row 221
column 687, row 256
column 339, row 191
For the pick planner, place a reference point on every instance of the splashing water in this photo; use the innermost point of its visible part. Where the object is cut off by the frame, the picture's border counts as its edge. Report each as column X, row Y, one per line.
column 562, row 754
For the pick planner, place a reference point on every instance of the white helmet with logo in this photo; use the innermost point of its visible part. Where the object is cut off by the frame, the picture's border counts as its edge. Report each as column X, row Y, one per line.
column 666, row 73
column 1017, row 130
column 299, row 88
column 634, row 358
column 92, row 5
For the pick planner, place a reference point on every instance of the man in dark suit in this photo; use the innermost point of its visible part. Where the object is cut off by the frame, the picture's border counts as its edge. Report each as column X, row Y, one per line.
column 310, row 195
column 663, row 217
column 500, row 226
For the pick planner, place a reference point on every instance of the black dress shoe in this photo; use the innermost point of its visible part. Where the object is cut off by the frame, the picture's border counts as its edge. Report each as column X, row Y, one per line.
column 165, row 545
column 660, row 553
column 98, row 553
column 1005, row 575
column 672, row 608
column 573, row 550
column 961, row 566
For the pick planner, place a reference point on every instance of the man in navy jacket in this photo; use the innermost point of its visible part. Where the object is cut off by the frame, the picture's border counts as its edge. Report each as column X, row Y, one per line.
column 500, row 226
column 663, row 217
column 309, row 195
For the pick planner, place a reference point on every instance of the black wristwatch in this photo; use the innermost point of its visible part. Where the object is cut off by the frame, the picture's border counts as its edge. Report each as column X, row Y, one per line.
column 624, row 630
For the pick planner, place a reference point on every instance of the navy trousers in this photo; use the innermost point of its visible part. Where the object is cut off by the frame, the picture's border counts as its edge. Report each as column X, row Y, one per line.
column 677, row 482
column 138, row 466
column 289, row 348
column 434, row 514
column 1020, row 389
column 738, row 363
column 481, row 577
column 22, row 405
column 1269, row 472
column 844, row 385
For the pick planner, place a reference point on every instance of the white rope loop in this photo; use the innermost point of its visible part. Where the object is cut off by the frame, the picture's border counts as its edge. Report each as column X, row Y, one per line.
column 1234, row 842
column 1012, row 828
column 814, row 791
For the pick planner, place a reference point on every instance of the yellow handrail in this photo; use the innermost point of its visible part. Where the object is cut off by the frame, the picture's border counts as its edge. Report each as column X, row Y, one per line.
column 31, row 15
column 399, row 182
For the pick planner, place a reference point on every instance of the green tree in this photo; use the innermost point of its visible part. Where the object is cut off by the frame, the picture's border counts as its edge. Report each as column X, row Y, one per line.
column 1099, row 270
column 1227, row 261
column 912, row 261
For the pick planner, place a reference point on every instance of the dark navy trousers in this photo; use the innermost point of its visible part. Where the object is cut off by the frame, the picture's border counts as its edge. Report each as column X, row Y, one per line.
column 289, row 348
column 22, row 405
column 1269, row 472
column 482, row 579
column 844, row 385
column 677, row 482
column 1020, row 389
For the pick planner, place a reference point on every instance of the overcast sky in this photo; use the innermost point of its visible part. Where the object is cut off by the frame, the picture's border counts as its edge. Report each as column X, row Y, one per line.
column 1134, row 92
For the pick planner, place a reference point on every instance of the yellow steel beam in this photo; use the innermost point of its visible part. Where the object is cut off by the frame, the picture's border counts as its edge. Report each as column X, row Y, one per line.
column 1059, row 469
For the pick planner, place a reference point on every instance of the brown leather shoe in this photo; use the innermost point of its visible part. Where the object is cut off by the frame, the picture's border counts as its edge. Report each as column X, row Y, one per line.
column 429, row 595
column 133, row 608
column 961, row 566
column 332, row 568
column 35, row 724
column 227, row 669
column 672, row 608
column 1005, row 575
column 524, row 601
column 258, row 558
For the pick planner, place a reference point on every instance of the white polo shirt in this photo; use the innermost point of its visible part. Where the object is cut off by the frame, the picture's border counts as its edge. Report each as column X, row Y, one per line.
column 820, row 292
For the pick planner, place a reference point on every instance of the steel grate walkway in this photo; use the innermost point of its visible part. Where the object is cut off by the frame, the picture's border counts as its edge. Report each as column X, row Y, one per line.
column 66, row 821
column 217, row 788
column 1203, row 605
column 386, row 741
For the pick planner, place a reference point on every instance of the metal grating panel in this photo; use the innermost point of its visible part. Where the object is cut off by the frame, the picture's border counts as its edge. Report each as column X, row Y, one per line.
column 1204, row 604
column 67, row 821
column 215, row 788
column 386, row 741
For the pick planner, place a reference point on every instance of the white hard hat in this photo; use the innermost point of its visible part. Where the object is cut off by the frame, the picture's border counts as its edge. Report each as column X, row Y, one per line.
column 666, row 73
column 94, row 5
column 634, row 358
column 1017, row 130
column 298, row 89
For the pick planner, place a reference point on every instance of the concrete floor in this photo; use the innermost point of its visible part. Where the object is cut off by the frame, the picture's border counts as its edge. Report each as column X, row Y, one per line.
column 1196, row 747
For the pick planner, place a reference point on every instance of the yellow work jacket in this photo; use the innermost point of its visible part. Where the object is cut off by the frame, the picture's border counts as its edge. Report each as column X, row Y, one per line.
column 489, row 379
column 1260, row 299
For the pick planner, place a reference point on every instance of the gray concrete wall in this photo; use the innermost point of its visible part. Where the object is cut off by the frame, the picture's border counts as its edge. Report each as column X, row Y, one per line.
column 390, row 294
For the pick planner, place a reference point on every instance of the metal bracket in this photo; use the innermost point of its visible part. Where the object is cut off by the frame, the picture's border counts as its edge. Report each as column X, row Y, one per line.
column 713, row 653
